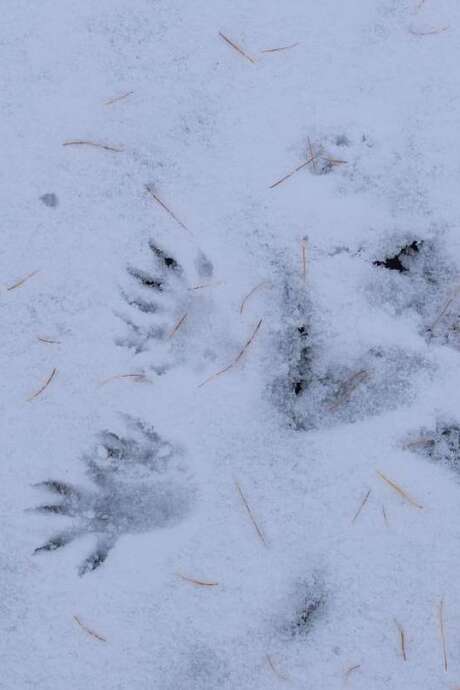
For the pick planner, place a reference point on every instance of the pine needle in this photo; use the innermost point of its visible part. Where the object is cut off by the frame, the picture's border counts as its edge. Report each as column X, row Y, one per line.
column 90, row 632
column 304, row 248
column 95, row 144
column 347, row 388
column 206, row 285
column 42, row 339
column 362, row 504
column 22, row 280
column 442, row 630
column 349, row 671
column 177, row 326
column 429, row 33
column 200, row 583
column 166, row 208
column 251, row 515
column 257, row 287
column 402, row 639
column 119, row 98
column 444, row 309
column 236, row 47
column 277, row 50
column 293, row 172
column 385, row 518
column 236, row 360
column 136, row 377
column 274, row 669
column 45, row 385
column 399, row 491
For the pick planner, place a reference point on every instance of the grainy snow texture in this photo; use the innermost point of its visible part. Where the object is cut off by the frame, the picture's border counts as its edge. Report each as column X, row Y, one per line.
column 230, row 408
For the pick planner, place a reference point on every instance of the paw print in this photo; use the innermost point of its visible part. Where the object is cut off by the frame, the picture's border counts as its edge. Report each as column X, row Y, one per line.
column 127, row 498
column 159, row 301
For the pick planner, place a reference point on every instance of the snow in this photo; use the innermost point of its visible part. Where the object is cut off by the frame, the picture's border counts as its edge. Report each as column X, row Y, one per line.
column 140, row 418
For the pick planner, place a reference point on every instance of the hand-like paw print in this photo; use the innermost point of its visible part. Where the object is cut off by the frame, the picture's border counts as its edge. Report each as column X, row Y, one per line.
column 159, row 299
column 127, row 497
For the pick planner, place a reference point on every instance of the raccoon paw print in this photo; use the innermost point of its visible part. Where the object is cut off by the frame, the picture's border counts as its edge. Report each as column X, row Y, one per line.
column 127, row 498
column 159, row 299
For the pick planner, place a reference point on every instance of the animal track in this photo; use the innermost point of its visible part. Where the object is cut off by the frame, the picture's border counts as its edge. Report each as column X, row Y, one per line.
column 442, row 445
column 128, row 495
column 160, row 299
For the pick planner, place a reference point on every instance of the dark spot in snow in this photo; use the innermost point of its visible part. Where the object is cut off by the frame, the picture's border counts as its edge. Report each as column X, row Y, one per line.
column 50, row 200
column 397, row 261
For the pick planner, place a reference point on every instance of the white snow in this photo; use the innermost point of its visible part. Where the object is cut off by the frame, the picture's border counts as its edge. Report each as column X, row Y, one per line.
column 373, row 83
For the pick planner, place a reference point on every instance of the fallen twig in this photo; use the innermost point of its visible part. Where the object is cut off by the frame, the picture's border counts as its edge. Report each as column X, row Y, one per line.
column 200, row 583
column 136, row 377
column 48, row 340
column 399, row 490
column 277, row 50
column 236, row 360
column 274, row 669
column 118, row 98
column 243, row 303
column 361, row 506
column 293, row 172
column 95, row 144
column 166, row 208
column 442, row 630
column 177, row 326
column 89, row 631
column 45, row 385
column 250, row 513
column 402, row 639
column 236, row 47
column 22, row 280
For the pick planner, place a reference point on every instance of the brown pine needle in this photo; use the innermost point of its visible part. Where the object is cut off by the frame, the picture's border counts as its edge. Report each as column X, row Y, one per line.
column 402, row 639
column 293, row 172
column 22, row 280
column 274, row 669
column 257, row 287
column 45, row 385
column 95, row 144
column 135, row 377
column 385, row 518
column 277, row 50
column 90, row 632
column 399, row 491
column 236, row 360
column 178, row 325
column 119, row 98
column 200, row 583
column 304, row 248
column 250, row 513
column 442, row 630
column 166, row 208
column 349, row 671
column 428, row 33
column 48, row 340
column 362, row 504
column 312, row 155
column 236, row 47
column 347, row 388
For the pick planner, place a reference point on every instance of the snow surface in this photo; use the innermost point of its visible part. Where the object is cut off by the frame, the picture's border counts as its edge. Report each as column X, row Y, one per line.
column 158, row 461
